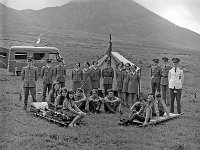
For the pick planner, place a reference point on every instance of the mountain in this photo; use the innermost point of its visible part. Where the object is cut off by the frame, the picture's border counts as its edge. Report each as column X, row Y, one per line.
column 124, row 18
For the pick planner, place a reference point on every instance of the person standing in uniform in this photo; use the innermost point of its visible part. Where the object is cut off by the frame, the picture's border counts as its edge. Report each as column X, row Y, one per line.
column 107, row 75
column 176, row 79
column 77, row 77
column 29, row 76
column 47, row 76
column 95, row 75
column 86, row 83
column 133, row 80
column 155, row 77
column 125, row 83
column 119, row 79
column 60, row 72
column 164, row 80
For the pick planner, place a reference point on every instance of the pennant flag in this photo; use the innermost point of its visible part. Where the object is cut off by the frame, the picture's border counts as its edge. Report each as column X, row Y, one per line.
column 110, row 47
column 38, row 41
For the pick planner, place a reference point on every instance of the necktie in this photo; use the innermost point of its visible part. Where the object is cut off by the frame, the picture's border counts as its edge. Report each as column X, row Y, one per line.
column 175, row 69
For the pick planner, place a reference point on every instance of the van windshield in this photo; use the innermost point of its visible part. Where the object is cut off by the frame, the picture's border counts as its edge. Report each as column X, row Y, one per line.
column 54, row 56
column 20, row 55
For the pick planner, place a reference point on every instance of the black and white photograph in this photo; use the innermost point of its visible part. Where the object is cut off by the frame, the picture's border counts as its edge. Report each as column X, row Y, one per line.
column 99, row 74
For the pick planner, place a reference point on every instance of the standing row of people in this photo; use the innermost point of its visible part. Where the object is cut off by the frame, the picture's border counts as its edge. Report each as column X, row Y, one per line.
column 168, row 80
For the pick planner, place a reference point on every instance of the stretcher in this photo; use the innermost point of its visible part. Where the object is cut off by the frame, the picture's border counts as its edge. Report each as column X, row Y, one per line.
column 156, row 121
column 41, row 109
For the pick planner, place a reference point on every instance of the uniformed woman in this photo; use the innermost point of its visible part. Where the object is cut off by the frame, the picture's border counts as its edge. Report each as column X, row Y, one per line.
column 77, row 76
column 86, row 83
column 95, row 75
column 125, row 83
column 133, row 84
column 60, row 72
column 119, row 79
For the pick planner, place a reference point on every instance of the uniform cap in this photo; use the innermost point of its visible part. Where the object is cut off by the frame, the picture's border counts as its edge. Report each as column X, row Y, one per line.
column 165, row 59
column 48, row 60
column 29, row 58
column 175, row 60
column 60, row 59
column 158, row 95
column 155, row 60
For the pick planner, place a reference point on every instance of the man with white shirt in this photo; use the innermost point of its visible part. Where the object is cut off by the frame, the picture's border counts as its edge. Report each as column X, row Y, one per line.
column 175, row 78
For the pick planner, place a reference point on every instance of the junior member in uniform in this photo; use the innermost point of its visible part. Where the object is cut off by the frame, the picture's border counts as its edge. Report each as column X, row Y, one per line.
column 119, row 79
column 47, row 76
column 176, row 79
column 86, row 83
column 155, row 76
column 164, row 80
column 107, row 75
column 60, row 72
column 95, row 75
column 29, row 76
column 77, row 77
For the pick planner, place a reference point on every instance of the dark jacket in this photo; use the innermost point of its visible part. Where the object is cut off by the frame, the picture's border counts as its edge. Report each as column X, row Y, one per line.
column 47, row 74
column 60, row 73
column 29, row 76
column 156, row 74
column 108, row 75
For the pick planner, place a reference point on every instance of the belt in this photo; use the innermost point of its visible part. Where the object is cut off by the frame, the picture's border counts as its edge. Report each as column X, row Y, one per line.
column 165, row 76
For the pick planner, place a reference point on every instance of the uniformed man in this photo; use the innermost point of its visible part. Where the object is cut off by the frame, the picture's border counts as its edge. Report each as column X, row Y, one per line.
column 60, row 72
column 107, row 75
column 47, row 76
column 95, row 75
column 175, row 78
column 29, row 76
column 155, row 76
column 164, row 80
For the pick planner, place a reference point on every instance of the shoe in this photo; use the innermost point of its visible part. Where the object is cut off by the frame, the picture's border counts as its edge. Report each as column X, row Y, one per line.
column 125, row 123
column 25, row 108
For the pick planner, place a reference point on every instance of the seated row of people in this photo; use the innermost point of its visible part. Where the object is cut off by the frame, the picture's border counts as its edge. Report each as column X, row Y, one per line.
column 94, row 102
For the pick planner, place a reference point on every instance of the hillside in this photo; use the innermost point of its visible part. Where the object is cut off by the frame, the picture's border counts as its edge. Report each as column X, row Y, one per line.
column 123, row 18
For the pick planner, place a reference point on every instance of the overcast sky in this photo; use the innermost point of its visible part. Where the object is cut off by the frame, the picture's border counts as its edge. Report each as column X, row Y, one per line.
column 185, row 13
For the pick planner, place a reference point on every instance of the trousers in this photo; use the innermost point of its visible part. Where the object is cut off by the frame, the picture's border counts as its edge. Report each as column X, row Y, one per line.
column 155, row 87
column 178, row 99
column 26, row 93
column 106, row 88
column 165, row 94
column 45, row 88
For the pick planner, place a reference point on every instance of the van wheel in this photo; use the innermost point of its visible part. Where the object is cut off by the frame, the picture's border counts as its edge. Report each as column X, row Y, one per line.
column 18, row 73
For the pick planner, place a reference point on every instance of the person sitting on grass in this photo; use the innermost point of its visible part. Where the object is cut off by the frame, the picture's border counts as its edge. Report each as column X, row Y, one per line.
column 111, row 102
column 95, row 102
column 70, row 109
column 160, row 106
column 80, row 99
column 60, row 99
column 143, row 115
column 54, row 92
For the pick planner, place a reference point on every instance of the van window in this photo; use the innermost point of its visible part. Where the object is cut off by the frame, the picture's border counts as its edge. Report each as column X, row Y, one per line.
column 53, row 56
column 20, row 55
column 3, row 55
column 38, row 56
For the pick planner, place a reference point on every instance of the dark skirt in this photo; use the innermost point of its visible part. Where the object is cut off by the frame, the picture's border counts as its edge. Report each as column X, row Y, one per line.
column 87, row 85
column 119, row 85
column 95, row 84
column 76, row 85
column 125, row 87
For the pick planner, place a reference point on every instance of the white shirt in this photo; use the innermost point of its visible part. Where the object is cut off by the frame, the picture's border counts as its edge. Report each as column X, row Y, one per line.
column 175, row 78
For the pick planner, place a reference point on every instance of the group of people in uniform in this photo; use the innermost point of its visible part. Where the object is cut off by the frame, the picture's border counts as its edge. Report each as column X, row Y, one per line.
column 86, row 84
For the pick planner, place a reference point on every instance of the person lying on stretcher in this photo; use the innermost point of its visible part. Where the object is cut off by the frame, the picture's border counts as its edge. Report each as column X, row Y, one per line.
column 142, row 111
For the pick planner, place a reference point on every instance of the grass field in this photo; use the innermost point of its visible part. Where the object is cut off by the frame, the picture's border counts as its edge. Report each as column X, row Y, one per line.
column 20, row 130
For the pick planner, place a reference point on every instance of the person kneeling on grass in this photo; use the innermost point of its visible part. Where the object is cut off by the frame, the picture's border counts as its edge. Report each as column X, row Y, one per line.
column 111, row 102
column 95, row 102
column 160, row 106
column 70, row 109
column 80, row 99
column 143, row 115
